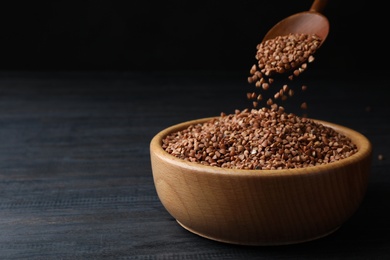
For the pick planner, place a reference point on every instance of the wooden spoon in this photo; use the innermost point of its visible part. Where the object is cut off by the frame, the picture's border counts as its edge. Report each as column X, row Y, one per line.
column 309, row 22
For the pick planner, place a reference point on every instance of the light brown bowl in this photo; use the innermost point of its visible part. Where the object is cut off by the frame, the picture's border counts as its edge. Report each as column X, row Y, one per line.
column 261, row 207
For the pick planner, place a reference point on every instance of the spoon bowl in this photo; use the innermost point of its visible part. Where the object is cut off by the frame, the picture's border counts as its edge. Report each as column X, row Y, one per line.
column 308, row 22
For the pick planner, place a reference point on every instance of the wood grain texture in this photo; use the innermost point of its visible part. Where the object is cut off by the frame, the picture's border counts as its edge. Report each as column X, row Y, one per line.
column 75, row 170
column 261, row 207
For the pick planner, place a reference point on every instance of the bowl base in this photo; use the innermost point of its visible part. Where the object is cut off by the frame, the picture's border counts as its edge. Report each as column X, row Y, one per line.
column 261, row 243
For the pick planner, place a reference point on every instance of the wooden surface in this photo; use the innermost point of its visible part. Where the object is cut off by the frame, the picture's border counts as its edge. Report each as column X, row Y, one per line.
column 76, row 181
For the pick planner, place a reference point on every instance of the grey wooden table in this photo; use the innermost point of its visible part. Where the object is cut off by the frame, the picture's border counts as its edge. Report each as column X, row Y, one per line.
column 75, row 174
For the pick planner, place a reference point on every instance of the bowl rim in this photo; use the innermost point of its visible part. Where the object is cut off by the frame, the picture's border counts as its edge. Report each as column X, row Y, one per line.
column 361, row 141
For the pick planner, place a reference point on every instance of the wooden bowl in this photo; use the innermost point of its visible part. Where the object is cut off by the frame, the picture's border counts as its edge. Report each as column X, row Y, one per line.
column 261, row 207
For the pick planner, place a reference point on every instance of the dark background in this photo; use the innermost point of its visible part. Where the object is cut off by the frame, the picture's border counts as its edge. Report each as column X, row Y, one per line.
column 75, row 178
column 178, row 35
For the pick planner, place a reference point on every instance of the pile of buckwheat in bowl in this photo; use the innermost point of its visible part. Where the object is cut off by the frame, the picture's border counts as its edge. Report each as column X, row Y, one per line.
column 259, row 139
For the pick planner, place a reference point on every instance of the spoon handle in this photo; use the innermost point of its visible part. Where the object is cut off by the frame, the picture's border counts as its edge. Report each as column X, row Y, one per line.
column 318, row 5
